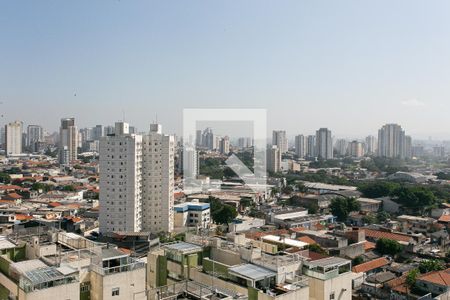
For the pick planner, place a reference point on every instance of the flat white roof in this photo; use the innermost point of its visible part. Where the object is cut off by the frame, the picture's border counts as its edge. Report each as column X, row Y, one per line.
column 368, row 200
column 331, row 187
column 286, row 241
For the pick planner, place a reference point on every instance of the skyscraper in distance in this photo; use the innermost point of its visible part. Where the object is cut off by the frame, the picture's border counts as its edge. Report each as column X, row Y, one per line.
column 324, row 144
column 13, row 137
column 68, row 141
column 393, row 143
column 279, row 139
column 300, row 146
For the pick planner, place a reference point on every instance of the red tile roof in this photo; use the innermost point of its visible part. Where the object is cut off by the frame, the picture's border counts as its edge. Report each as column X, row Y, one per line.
column 307, row 239
column 369, row 246
column 14, row 196
column 54, row 204
column 444, row 218
column 21, row 217
column 437, row 277
column 398, row 284
column 371, row 265
column 316, row 256
column 378, row 234
column 9, row 187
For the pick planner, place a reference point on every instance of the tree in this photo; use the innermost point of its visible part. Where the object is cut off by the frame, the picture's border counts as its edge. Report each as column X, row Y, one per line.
column 287, row 190
column 341, row 207
column 316, row 248
column 224, row 215
column 414, row 197
column 40, row 186
column 357, row 260
column 377, row 189
column 382, row 216
column 443, row 176
column 5, row 178
column 245, row 202
column 312, row 209
column 411, row 278
column 301, row 187
column 387, row 246
column 369, row 219
column 430, row 265
column 69, row 188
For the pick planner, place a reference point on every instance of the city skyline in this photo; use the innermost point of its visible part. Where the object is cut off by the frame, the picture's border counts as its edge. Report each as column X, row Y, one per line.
column 217, row 55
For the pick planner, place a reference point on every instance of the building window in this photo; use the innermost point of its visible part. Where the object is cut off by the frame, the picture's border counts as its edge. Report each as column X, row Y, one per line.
column 115, row 292
column 332, row 296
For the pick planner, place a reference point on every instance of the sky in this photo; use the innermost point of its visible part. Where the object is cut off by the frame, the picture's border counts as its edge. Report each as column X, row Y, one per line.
column 351, row 66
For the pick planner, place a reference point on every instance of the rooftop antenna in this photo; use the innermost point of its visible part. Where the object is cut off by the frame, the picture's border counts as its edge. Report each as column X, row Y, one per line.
column 156, row 118
column 123, row 115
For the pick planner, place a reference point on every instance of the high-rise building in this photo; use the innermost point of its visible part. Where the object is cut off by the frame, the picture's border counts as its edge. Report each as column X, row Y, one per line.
column 35, row 135
column 408, row 147
column 356, row 149
column 274, row 159
column 109, row 130
column 209, row 139
column 13, row 137
column 279, row 139
column 3, row 137
column 439, row 151
column 158, row 163
column 188, row 157
column 85, row 135
column 68, row 141
column 324, row 144
column 418, row 151
column 393, row 143
column 133, row 130
column 198, row 138
column 245, row 142
column 121, row 181
column 341, row 147
column 300, row 146
column 311, row 146
column 224, row 145
column 371, row 145
column 97, row 132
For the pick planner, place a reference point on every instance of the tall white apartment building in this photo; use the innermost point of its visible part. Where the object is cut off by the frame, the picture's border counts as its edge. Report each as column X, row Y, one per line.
column 300, row 146
column 13, row 138
column 393, row 143
column 371, row 145
column 97, row 132
column 121, row 181
column 224, row 145
column 35, row 134
column 245, row 142
column 158, row 161
column 311, row 146
column 137, row 180
column 341, row 147
column 68, row 141
column 356, row 149
column 274, row 159
column 324, row 144
column 279, row 139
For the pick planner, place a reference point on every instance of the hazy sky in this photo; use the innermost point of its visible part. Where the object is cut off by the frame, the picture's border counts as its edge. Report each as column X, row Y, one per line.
column 347, row 65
